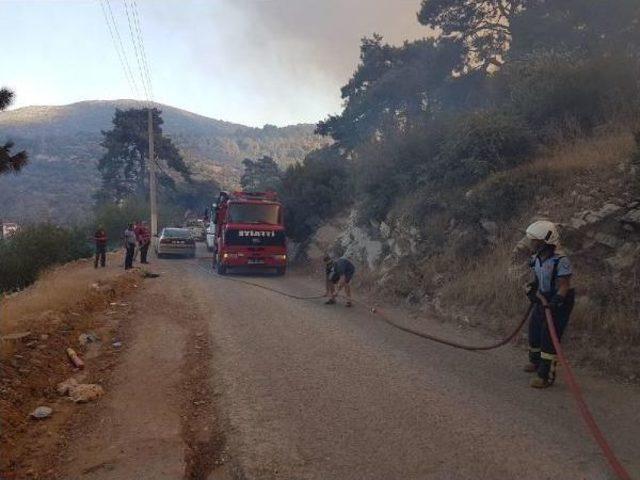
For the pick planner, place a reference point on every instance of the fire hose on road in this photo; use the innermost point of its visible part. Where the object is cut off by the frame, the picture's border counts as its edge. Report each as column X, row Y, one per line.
column 585, row 413
column 574, row 388
column 573, row 385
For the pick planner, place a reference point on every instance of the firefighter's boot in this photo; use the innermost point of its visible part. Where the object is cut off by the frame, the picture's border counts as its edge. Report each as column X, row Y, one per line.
column 539, row 382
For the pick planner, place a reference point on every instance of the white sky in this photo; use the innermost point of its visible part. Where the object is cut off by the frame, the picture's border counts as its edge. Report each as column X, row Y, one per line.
column 246, row 61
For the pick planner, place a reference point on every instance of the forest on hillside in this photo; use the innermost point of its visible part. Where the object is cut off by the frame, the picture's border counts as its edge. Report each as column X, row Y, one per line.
column 64, row 148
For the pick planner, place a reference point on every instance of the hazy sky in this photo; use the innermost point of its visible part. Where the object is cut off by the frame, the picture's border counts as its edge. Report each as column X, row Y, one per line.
column 247, row 61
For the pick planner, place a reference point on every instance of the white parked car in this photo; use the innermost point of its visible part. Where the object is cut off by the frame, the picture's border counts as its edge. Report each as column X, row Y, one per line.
column 176, row 241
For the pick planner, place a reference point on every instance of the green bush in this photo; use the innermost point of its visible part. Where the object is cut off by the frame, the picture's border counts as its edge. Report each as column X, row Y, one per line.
column 439, row 162
column 506, row 194
column 35, row 248
column 314, row 190
column 555, row 91
column 478, row 144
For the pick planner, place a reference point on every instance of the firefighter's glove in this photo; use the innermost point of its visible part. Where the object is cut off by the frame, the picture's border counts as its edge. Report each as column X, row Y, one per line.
column 556, row 302
column 531, row 291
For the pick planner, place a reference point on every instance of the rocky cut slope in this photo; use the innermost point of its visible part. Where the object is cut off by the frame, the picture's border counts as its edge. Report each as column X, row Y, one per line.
column 63, row 144
column 477, row 277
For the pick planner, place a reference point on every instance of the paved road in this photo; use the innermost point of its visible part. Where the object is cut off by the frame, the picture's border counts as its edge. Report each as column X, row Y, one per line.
column 309, row 391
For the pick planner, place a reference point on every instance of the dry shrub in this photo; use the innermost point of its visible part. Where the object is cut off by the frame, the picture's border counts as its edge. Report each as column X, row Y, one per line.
column 492, row 284
column 587, row 155
column 64, row 297
column 604, row 330
column 57, row 290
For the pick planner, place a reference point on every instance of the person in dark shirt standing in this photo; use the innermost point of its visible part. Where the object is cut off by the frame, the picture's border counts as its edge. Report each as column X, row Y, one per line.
column 100, row 238
column 338, row 276
column 143, row 235
column 130, row 246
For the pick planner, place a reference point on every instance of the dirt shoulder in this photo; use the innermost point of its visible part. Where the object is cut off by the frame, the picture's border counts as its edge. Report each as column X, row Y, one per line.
column 38, row 325
column 156, row 418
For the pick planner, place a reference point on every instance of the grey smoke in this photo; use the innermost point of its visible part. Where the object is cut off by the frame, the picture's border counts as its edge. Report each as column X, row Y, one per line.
column 290, row 56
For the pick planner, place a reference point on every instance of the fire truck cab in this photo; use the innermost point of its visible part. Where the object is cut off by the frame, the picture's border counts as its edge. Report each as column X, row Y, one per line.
column 249, row 232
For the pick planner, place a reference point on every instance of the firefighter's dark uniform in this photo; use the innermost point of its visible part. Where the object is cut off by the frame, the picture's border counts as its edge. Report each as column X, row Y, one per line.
column 542, row 353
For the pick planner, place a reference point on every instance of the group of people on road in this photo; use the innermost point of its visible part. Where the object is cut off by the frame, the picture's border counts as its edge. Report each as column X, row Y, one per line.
column 549, row 291
column 136, row 236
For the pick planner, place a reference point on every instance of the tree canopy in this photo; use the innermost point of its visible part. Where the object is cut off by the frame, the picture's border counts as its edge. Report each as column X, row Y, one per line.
column 260, row 175
column 429, row 120
column 392, row 88
column 124, row 166
column 483, row 27
column 10, row 162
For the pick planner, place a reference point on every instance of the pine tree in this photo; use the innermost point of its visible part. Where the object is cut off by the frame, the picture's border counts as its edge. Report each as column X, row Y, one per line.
column 10, row 163
column 260, row 175
column 124, row 167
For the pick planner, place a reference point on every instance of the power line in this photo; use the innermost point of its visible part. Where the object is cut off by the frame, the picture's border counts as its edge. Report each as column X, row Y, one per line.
column 117, row 44
column 142, row 47
column 137, row 51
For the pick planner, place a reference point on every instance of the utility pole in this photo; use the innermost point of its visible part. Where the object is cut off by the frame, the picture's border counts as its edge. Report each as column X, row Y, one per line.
column 153, row 187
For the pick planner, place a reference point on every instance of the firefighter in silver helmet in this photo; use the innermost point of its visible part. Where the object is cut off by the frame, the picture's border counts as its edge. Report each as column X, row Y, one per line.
column 550, row 289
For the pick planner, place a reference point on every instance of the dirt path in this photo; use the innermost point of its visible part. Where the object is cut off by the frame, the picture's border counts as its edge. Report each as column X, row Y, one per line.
column 158, row 421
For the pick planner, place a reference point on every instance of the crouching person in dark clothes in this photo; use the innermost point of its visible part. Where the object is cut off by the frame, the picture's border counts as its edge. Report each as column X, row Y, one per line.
column 338, row 276
column 550, row 289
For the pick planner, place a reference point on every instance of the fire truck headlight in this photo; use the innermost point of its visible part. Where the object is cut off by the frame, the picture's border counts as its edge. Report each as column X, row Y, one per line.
column 282, row 258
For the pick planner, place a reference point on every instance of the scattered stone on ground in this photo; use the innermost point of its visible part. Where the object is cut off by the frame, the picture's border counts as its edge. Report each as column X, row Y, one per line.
column 42, row 412
column 63, row 388
column 85, row 392
column 86, row 338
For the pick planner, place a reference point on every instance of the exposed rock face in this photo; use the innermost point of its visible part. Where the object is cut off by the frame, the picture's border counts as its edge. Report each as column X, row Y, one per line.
column 632, row 218
column 625, row 257
column 609, row 234
column 614, row 230
column 359, row 244
column 378, row 246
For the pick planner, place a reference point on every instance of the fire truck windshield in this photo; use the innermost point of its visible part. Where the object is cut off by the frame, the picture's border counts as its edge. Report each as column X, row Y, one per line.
column 254, row 213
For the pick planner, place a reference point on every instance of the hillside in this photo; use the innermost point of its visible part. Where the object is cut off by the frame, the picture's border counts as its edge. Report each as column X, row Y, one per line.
column 63, row 144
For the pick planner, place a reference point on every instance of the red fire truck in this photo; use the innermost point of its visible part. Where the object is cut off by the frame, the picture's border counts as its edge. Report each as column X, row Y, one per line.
column 249, row 232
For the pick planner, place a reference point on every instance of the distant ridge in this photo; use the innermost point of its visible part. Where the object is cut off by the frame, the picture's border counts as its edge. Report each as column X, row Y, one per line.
column 64, row 147
column 92, row 116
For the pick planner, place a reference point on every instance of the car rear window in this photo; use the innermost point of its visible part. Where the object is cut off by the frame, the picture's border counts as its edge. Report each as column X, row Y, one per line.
column 176, row 233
